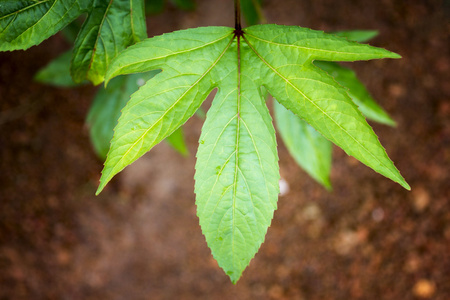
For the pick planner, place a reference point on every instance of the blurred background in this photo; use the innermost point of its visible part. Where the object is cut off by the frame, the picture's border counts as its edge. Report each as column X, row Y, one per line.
column 140, row 239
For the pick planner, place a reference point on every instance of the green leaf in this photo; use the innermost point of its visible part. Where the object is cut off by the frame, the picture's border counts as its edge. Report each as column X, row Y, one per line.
column 110, row 27
column 25, row 23
column 57, row 72
column 357, row 91
column 184, row 4
column 154, row 6
column 308, row 147
column 360, row 36
column 105, row 109
column 313, row 95
column 171, row 98
column 71, row 31
column 251, row 9
column 236, row 171
column 176, row 141
column 201, row 113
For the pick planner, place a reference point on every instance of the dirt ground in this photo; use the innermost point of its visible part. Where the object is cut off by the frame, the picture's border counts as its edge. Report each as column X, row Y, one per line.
column 140, row 239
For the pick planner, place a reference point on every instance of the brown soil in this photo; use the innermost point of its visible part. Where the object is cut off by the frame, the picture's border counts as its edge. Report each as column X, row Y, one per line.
column 368, row 239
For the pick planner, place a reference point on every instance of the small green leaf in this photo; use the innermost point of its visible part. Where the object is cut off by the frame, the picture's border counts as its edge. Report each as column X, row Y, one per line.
column 360, row 36
column 57, row 72
column 105, row 109
column 313, row 95
column 357, row 91
column 308, row 147
column 111, row 27
column 176, row 141
column 26, row 23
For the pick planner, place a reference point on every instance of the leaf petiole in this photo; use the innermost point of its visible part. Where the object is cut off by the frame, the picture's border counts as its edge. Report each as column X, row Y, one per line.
column 237, row 21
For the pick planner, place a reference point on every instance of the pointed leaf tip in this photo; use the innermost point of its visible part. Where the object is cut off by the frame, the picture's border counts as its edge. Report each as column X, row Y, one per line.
column 394, row 55
column 100, row 188
column 405, row 185
column 98, row 192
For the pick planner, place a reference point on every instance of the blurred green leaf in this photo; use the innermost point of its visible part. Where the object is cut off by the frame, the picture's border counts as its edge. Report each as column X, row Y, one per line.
column 71, row 31
column 251, row 10
column 106, row 108
column 184, row 4
column 357, row 91
column 308, row 147
column 359, row 36
column 57, row 72
column 176, row 141
column 110, row 27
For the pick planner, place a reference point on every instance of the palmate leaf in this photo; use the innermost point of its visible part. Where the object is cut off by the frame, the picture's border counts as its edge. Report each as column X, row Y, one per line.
column 110, row 27
column 25, row 23
column 237, row 172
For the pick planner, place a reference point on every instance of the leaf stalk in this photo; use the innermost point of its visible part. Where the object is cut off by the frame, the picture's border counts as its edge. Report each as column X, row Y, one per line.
column 237, row 22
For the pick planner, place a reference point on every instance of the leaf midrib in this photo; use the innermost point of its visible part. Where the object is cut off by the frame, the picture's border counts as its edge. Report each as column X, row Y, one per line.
column 238, row 132
column 308, row 48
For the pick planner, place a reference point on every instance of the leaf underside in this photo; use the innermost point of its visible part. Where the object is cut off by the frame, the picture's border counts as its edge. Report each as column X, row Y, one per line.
column 110, row 27
column 26, row 23
column 236, row 180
